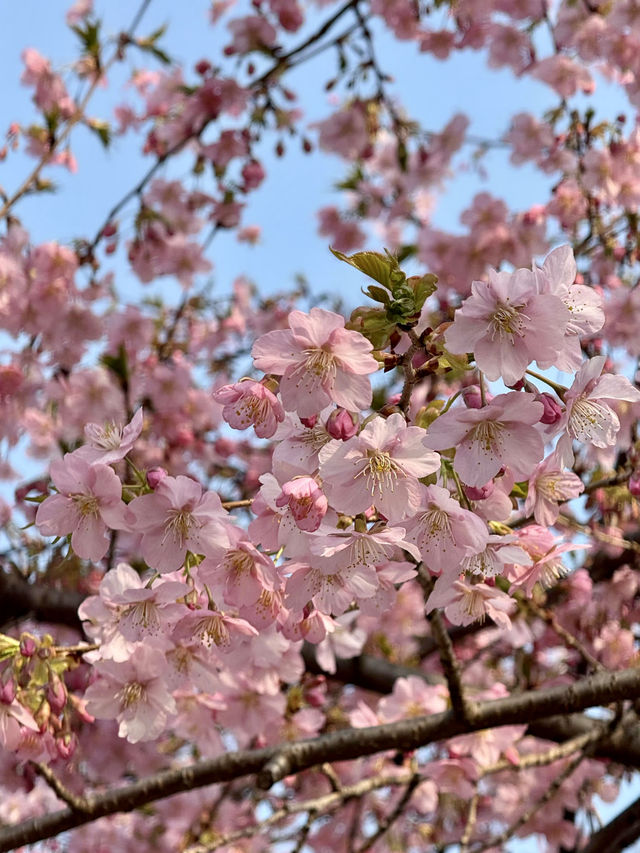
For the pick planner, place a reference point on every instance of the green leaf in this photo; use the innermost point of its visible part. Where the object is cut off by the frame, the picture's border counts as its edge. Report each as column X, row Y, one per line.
column 379, row 267
column 423, row 288
column 378, row 294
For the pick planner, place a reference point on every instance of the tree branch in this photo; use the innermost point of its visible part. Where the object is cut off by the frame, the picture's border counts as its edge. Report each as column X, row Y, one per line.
column 618, row 834
column 404, row 735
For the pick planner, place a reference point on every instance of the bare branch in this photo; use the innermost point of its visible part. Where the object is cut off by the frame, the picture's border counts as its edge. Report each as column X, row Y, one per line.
column 618, row 834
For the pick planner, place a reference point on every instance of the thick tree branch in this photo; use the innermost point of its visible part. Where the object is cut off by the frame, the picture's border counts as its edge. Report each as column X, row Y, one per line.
column 617, row 835
column 273, row 763
column 19, row 599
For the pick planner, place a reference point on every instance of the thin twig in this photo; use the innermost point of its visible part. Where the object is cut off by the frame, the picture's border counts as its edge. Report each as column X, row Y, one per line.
column 73, row 120
column 387, row 823
column 74, row 801
column 462, row 706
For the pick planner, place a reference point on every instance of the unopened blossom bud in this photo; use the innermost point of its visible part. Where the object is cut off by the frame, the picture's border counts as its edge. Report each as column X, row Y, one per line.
column 7, row 691
column 479, row 493
column 472, row 397
column 634, row 484
column 28, row 645
column 66, row 745
column 315, row 692
column 341, row 424
column 56, row 693
column 552, row 409
column 309, row 422
column 155, row 476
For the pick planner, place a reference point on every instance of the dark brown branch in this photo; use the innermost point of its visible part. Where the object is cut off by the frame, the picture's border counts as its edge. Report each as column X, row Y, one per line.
column 19, row 599
column 618, row 834
column 344, row 745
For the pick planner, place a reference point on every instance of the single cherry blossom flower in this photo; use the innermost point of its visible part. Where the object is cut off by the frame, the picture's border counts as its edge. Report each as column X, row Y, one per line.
column 486, row 439
column 212, row 627
column 306, row 500
column 508, row 323
column 88, row 504
column 412, row 697
column 179, row 517
column 547, row 566
column 379, row 466
column 320, row 362
column 331, row 590
column 586, row 316
column 549, row 486
column 354, row 548
column 110, row 443
column 465, row 602
column 248, row 403
column 134, row 693
column 241, row 574
column 588, row 418
column 443, row 531
column 500, row 552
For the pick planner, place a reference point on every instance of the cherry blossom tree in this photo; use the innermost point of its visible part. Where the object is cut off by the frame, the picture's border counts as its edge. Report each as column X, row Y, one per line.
column 281, row 572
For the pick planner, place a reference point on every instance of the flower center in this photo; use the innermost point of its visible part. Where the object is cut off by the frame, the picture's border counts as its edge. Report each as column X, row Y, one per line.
column 86, row 504
column 131, row 694
column 238, row 562
column 380, row 472
column 588, row 419
column 320, row 362
column 507, row 321
column 179, row 526
column 144, row 614
column 488, row 434
column 253, row 409
column 212, row 631
column 107, row 438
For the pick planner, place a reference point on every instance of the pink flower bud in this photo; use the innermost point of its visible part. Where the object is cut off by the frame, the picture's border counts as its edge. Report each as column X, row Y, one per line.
column 7, row 691
column 634, row 484
column 155, row 476
column 341, row 424
column 473, row 398
column 552, row 409
column 309, row 422
column 56, row 694
column 28, row 645
column 479, row 493
column 66, row 745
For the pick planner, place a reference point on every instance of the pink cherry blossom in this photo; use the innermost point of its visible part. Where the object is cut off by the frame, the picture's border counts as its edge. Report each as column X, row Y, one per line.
column 248, row 403
column 320, row 362
column 465, row 602
column 178, row 517
column 549, row 486
column 588, row 418
column 110, row 443
column 508, row 323
column 379, row 466
column 486, row 439
column 443, row 531
column 88, row 504
column 558, row 276
column 306, row 500
column 134, row 693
